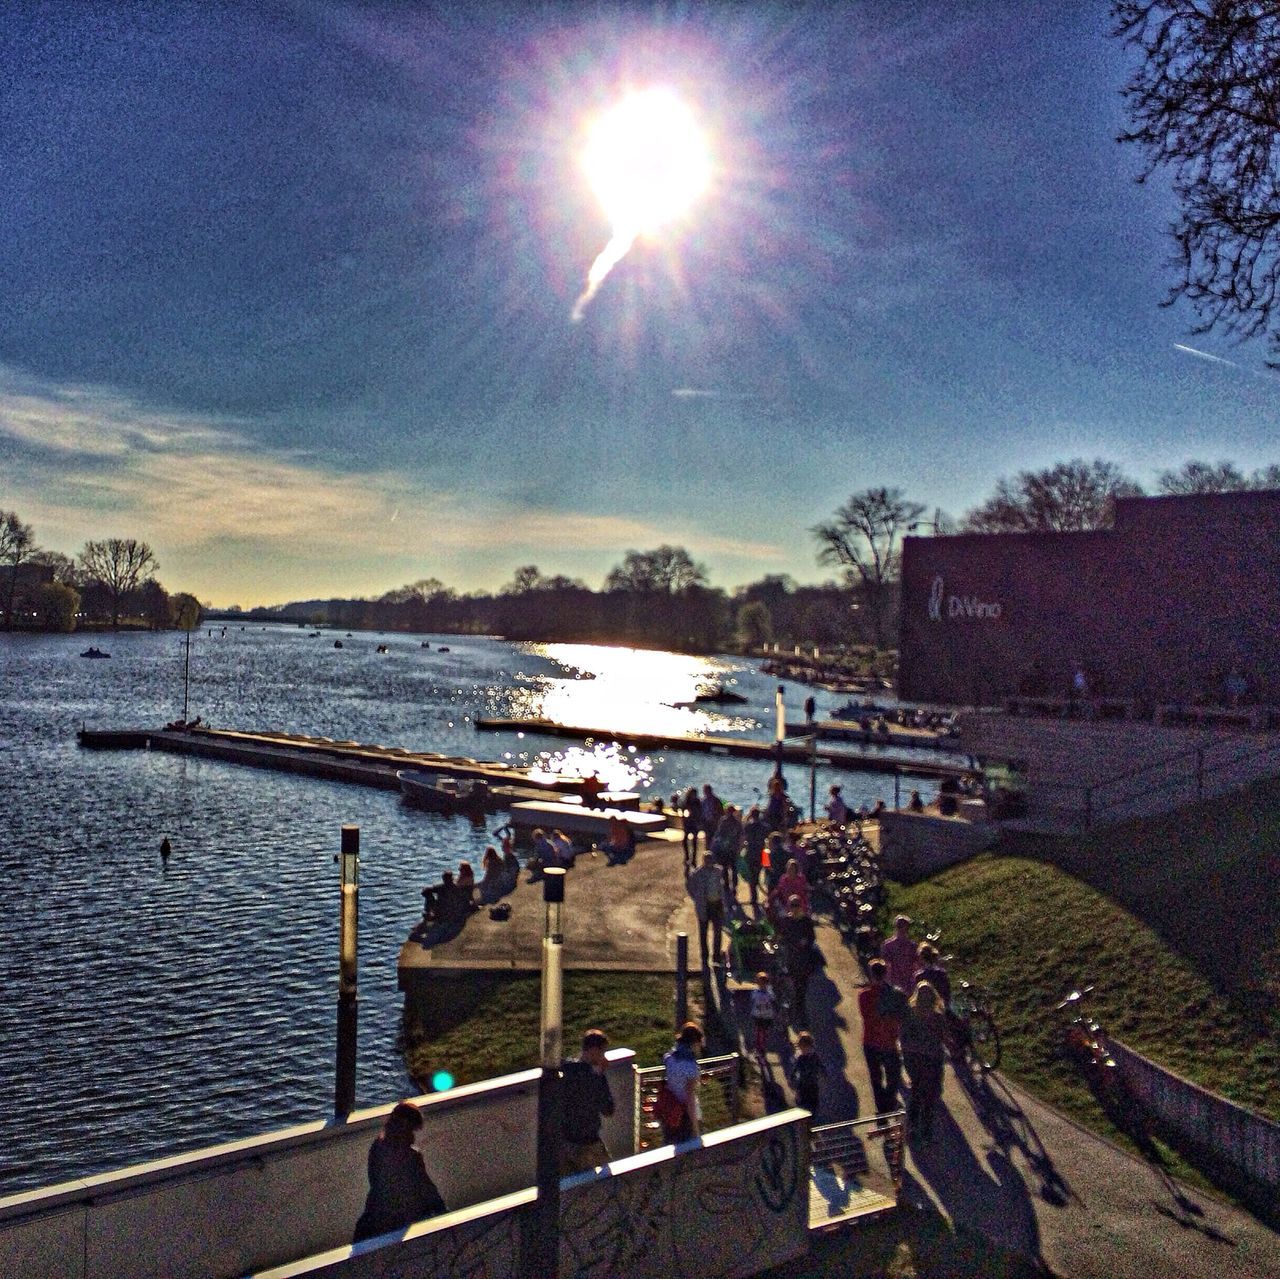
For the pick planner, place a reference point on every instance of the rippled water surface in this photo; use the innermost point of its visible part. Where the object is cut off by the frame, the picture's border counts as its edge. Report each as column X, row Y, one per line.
column 152, row 1009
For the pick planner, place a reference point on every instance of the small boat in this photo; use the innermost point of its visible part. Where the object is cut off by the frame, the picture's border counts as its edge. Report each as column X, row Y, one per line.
column 717, row 696
column 337, row 643
column 444, row 794
column 444, row 648
column 382, row 648
column 91, row 651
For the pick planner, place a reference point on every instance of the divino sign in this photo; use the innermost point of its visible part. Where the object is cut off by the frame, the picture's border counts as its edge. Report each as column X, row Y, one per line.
column 959, row 606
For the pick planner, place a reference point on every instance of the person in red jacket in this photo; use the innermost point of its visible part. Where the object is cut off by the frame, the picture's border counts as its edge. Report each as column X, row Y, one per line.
column 880, row 1028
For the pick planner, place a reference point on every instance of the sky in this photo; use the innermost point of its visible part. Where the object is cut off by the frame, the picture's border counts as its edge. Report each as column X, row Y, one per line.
column 286, row 290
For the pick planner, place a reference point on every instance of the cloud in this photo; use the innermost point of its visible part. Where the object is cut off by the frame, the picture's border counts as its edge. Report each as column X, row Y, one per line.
column 227, row 514
column 700, row 393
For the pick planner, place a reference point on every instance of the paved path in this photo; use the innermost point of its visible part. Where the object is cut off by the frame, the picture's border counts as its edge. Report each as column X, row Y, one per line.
column 1022, row 1174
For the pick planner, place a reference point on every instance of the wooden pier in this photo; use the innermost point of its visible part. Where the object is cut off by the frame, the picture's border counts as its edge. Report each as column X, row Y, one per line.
column 373, row 765
column 793, row 751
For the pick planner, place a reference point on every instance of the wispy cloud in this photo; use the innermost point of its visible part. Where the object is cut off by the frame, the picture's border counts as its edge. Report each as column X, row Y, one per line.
column 221, row 508
column 706, row 393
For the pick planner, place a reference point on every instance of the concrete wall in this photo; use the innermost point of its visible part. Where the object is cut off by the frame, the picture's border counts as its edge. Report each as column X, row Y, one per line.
column 732, row 1204
column 915, row 845
column 239, row 1207
column 1246, row 1141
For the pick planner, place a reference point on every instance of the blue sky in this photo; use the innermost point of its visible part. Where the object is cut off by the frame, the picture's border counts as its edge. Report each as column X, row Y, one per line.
column 286, row 288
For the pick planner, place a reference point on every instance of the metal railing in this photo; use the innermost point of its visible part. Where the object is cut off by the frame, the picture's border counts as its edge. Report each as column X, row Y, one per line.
column 855, row 1169
column 721, row 1106
column 1168, row 774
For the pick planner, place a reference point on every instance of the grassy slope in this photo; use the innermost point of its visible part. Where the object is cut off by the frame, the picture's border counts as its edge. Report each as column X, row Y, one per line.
column 1173, row 919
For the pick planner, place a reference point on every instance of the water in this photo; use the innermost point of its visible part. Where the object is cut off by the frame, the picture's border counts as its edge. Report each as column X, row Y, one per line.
column 151, row 1009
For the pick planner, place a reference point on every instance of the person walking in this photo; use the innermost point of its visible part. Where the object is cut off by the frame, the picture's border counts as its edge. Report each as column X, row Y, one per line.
column 707, row 887
column 586, row 1100
column 801, row 953
column 754, row 834
column 837, row 809
column 901, row 956
column 924, row 1038
column 400, row 1191
column 691, row 809
column 807, row 1073
column 764, row 1007
column 726, row 843
column 710, row 811
column 880, row 1037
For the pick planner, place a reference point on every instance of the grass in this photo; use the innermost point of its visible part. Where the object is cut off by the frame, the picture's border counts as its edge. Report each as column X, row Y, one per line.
column 1173, row 920
column 487, row 1024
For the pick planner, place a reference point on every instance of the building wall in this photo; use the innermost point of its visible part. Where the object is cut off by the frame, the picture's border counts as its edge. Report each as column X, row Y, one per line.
column 1158, row 609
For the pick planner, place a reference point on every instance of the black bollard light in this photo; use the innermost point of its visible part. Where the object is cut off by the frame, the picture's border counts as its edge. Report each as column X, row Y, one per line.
column 682, row 979
column 344, row 1090
column 543, row 1241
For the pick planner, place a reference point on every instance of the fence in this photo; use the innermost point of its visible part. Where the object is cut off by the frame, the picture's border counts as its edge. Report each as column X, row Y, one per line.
column 720, row 1107
column 855, row 1169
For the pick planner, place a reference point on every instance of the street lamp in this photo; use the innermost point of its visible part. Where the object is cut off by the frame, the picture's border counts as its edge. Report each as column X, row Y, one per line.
column 344, row 1091
column 780, row 731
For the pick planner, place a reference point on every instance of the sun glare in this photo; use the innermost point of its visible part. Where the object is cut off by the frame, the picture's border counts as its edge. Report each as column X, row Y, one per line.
column 647, row 161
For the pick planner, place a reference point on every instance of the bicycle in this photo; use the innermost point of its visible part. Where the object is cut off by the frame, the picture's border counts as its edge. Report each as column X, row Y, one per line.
column 1084, row 1044
column 975, row 1035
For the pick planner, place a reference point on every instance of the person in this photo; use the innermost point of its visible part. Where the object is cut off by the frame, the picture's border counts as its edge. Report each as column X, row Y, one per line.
column 562, row 847
column 166, row 849
column 682, row 1076
column 400, row 1191
column 586, row 1100
column 725, row 845
column 777, row 806
column 592, row 788
column 837, row 809
column 493, row 879
column 619, row 843
column 924, row 1036
column 764, row 1007
column 807, row 1073
column 709, row 891
column 510, row 862
column 754, row 834
column 916, row 804
column 711, row 810
column 880, row 1039
column 775, row 861
column 901, row 956
column 541, row 851
column 691, row 807
column 877, row 812
column 800, row 949
column 792, row 884
column 466, row 879
column 934, row 971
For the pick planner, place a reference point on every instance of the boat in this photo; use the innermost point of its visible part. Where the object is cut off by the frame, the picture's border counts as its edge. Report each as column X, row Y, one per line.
column 860, row 710
column 444, row 794
column 382, row 648
column 337, row 643
column 444, row 648
column 94, row 652
column 716, row 696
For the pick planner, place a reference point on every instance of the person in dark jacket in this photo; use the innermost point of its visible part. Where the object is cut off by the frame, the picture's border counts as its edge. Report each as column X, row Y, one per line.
column 400, row 1191
column 586, row 1100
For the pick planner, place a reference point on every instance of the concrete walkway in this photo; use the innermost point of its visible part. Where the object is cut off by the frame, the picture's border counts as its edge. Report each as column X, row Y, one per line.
column 1005, row 1165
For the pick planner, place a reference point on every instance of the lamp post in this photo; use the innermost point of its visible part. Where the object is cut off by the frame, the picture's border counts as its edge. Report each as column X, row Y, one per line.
column 344, row 1090
column 543, row 1245
column 780, row 731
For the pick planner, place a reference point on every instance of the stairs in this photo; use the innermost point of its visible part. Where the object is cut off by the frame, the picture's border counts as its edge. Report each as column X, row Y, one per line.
column 1097, row 772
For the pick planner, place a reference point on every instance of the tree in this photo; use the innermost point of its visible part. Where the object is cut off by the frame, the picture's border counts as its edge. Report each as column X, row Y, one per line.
column 120, row 564
column 666, row 569
column 1224, row 477
column 1068, row 497
column 56, row 605
column 526, row 579
column 863, row 539
column 63, row 566
column 186, row 611
column 755, row 624
column 1203, row 106
column 17, row 543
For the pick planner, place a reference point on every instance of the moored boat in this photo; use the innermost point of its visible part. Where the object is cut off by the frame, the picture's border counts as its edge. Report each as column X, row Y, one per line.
column 444, row 794
column 91, row 651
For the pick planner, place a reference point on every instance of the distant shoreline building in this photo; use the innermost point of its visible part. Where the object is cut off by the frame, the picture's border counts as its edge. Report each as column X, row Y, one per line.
column 1178, row 602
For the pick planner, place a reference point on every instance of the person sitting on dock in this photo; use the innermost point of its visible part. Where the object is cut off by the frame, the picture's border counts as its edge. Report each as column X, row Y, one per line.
column 916, row 804
column 494, row 882
column 620, row 843
column 592, row 788
column 510, row 863
column 466, row 879
column 541, row 851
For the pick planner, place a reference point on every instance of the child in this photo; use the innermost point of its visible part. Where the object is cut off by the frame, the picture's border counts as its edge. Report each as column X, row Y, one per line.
column 763, row 1008
column 807, row 1073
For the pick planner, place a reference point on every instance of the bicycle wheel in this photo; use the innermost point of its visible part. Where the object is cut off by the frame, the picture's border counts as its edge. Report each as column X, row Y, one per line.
column 984, row 1039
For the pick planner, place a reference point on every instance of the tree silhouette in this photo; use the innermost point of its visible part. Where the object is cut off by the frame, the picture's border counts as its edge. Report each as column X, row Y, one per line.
column 120, row 564
column 17, row 543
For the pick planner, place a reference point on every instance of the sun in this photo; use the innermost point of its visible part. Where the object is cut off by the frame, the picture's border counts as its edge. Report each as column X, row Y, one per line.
column 647, row 161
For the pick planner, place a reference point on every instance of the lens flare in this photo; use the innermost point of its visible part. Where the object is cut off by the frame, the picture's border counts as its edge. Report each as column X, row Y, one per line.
column 648, row 162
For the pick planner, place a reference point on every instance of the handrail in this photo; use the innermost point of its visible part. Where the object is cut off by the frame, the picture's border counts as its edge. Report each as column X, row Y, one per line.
column 1167, row 783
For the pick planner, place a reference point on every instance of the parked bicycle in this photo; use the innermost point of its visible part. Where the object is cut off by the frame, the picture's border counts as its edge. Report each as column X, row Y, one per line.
column 1084, row 1044
column 975, row 1037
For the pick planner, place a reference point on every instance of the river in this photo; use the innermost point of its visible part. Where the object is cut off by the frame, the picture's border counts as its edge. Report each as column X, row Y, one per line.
column 150, row 1008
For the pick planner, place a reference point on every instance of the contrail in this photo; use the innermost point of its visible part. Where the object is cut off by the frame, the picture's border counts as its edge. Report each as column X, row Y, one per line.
column 1204, row 355
column 612, row 254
